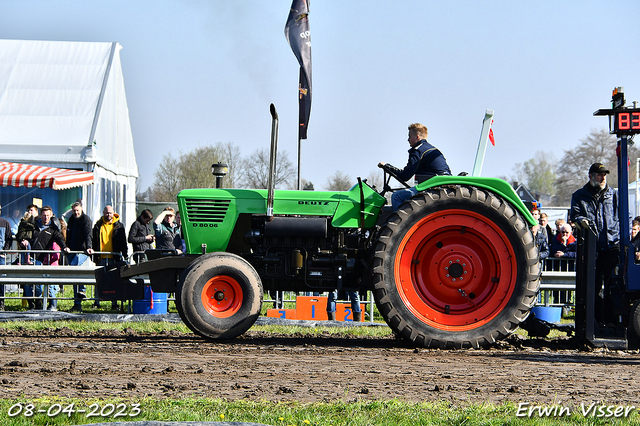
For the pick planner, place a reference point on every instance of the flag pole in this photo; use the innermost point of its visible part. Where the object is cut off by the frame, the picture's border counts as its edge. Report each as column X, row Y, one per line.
column 299, row 148
column 296, row 30
column 482, row 144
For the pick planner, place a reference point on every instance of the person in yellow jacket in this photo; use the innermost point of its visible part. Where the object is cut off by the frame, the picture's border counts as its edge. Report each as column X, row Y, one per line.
column 109, row 235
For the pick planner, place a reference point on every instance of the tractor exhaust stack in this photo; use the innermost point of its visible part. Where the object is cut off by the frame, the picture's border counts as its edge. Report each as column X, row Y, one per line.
column 272, row 161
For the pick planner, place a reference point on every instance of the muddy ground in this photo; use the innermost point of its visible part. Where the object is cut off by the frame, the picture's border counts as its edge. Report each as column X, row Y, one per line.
column 308, row 369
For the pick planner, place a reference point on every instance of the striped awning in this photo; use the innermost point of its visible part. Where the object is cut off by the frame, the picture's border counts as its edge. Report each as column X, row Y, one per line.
column 29, row 176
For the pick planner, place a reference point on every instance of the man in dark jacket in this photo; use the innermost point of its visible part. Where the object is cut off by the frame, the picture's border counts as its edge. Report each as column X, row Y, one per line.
column 140, row 235
column 109, row 235
column 5, row 244
column 78, row 239
column 425, row 162
column 544, row 223
column 48, row 238
column 596, row 205
column 27, row 231
column 541, row 242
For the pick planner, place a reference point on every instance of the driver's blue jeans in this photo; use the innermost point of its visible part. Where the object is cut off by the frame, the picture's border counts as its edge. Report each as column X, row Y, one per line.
column 399, row 197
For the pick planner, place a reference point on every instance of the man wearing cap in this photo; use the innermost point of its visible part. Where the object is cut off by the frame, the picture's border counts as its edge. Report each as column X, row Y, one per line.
column 5, row 244
column 596, row 205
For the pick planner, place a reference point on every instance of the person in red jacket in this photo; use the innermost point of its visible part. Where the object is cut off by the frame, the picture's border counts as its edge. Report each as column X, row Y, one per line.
column 564, row 244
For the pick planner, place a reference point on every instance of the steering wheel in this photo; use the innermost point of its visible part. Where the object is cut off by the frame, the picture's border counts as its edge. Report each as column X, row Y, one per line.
column 391, row 174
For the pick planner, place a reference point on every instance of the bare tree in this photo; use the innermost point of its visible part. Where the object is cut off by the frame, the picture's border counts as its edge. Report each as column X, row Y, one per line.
column 339, row 181
column 519, row 176
column 304, row 184
column 193, row 170
column 230, row 155
column 540, row 173
column 375, row 179
column 256, row 169
column 140, row 194
column 599, row 146
column 167, row 179
column 195, row 167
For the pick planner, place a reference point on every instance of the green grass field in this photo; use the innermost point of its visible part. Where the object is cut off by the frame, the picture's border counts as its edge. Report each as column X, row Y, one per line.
column 63, row 411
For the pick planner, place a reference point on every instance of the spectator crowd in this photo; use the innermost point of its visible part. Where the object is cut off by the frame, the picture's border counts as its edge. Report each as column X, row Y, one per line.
column 42, row 238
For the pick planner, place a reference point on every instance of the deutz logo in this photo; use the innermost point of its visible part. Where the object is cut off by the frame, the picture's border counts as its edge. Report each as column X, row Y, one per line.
column 314, row 203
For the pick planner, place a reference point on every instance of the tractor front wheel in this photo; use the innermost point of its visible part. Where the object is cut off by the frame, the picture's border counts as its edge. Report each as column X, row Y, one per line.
column 219, row 296
column 455, row 267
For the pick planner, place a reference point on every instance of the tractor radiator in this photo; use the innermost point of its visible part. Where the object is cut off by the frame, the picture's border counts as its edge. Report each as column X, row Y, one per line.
column 207, row 211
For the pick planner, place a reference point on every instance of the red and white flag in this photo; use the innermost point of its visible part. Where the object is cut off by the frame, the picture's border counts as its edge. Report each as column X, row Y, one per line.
column 493, row 141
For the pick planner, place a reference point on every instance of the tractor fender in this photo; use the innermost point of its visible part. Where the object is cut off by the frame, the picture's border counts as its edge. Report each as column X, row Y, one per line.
column 498, row 186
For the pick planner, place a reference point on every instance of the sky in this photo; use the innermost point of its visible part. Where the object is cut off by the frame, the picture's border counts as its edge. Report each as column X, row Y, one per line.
column 200, row 72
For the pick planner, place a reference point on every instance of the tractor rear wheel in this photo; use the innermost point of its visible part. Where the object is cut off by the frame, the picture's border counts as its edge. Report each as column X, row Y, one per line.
column 455, row 267
column 634, row 319
column 219, row 296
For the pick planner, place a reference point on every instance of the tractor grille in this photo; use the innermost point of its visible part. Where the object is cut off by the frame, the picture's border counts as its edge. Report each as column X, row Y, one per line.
column 207, row 210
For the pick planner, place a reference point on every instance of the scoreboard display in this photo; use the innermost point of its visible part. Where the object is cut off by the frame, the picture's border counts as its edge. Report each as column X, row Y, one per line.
column 622, row 121
column 626, row 121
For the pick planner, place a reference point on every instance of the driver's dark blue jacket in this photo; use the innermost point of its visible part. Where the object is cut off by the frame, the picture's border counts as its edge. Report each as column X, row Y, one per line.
column 425, row 162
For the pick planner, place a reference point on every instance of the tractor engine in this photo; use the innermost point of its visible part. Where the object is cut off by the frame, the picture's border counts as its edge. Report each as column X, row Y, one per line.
column 305, row 254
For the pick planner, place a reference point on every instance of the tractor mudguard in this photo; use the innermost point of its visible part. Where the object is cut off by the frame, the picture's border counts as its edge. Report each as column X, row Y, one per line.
column 499, row 186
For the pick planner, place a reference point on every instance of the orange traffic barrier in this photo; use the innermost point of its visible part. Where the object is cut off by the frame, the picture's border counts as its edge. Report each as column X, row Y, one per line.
column 314, row 308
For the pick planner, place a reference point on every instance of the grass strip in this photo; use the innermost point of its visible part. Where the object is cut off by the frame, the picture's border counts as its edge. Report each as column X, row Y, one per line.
column 338, row 413
column 159, row 327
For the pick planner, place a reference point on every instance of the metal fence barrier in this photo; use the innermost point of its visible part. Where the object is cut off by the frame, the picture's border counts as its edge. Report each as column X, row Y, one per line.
column 558, row 282
column 14, row 272
column 22, row 268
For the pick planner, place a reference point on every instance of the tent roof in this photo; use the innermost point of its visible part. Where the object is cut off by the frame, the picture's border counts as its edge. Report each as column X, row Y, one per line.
column 14, row 174
column 63, row 103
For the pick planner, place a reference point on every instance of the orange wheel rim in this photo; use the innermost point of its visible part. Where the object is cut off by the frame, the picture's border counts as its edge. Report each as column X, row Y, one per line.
column 455, row 270
column 222, row 296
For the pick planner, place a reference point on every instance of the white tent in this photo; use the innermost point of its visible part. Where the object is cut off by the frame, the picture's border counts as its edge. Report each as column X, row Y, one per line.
column 63, row 104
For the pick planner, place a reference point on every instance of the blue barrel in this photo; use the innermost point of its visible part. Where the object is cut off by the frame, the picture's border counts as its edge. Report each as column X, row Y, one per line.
column 548, row 313
column 153, row 303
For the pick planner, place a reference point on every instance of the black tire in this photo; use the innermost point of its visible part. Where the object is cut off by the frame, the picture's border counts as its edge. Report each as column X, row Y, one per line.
column 219, row 296
column 455, row 267
column 634, row 319
column 179, row 306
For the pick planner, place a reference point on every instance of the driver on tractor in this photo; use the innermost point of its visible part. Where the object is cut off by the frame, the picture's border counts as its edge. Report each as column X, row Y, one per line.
column 425, row 162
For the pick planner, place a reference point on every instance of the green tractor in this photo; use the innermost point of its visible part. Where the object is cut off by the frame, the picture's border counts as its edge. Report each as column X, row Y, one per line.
column 456, row 266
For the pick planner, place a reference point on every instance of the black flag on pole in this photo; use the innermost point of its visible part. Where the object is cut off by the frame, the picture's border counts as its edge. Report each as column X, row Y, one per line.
column 297, row 33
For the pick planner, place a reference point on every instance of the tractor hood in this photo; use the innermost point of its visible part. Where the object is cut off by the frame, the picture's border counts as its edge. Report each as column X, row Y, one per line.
column 217, row 210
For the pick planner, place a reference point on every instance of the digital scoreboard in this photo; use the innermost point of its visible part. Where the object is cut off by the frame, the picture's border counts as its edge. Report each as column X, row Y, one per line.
column 626, row 121
column 622, row 121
